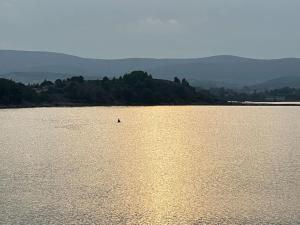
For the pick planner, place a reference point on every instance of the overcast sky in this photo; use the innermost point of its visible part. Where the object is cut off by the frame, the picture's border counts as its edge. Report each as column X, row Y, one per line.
column 153, row 28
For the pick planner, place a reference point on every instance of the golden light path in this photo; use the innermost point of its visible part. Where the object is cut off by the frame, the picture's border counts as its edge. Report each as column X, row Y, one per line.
column 160, row 165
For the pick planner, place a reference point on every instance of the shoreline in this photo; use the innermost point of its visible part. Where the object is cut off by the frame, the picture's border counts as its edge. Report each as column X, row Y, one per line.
column 74, row 105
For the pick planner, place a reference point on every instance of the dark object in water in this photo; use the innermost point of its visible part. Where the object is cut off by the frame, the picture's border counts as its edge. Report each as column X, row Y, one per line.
column 119, row 121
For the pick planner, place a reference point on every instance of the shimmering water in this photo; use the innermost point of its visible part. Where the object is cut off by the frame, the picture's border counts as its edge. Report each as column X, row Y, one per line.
column 161, row 165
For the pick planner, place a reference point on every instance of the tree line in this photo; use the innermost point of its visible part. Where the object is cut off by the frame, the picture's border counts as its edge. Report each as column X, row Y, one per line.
column 135, row 88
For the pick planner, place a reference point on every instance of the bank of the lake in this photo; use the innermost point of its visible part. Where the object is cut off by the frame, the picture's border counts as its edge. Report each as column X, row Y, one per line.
column 136, row 88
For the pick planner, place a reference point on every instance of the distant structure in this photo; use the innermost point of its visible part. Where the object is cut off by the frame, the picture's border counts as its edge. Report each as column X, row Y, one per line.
column 119, row 121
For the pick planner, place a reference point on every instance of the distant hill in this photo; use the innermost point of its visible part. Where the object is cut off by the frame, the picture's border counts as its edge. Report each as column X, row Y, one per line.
column 292, row 82
column 214, row 70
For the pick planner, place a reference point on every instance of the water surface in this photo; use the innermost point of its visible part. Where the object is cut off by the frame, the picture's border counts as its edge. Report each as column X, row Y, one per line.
column 161, row 165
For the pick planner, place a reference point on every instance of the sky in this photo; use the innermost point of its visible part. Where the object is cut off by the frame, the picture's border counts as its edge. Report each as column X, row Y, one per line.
column 153, row 28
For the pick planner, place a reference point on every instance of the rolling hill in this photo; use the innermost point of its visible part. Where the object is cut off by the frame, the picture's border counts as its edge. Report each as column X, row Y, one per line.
column 292, row 82
column 236, row 71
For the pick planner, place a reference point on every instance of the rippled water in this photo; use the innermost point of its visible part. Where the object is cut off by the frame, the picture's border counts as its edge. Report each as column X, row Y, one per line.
column 161, row 165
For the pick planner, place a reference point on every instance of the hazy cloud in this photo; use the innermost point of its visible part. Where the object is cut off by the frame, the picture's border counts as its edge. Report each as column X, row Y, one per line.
column 160, row 22
column 155, row 26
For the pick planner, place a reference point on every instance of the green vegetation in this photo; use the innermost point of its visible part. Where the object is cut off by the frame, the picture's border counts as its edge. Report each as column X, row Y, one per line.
column 136, row 88
column 12, row 93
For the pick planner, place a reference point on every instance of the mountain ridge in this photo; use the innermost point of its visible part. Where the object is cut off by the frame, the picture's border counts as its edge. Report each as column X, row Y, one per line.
column 241, row 71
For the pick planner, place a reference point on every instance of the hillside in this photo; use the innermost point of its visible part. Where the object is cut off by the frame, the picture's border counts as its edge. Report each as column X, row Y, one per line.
column 292, row 82
column 136, row 88
column 217, row 69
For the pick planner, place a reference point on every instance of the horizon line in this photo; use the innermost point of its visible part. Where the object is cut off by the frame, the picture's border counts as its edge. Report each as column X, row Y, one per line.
column 154, row 58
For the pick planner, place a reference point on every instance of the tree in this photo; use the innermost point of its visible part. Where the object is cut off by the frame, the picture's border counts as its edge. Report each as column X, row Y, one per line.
column 46, row 83
column 58, row 83
column 177, row 80
column 185, row 82
column 105, row 79
column 78, row 79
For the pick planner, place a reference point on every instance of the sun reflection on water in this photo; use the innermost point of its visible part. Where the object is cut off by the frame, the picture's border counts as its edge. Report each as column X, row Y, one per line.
column 161, row 165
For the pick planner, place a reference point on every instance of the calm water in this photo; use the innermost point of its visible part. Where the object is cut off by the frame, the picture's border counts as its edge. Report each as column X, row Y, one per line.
column 161, row 165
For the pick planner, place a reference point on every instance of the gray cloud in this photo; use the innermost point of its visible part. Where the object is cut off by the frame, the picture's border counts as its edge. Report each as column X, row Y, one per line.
column 152, row 28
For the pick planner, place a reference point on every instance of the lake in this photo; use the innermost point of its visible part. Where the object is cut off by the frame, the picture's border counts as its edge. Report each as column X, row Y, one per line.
column 160, row 165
